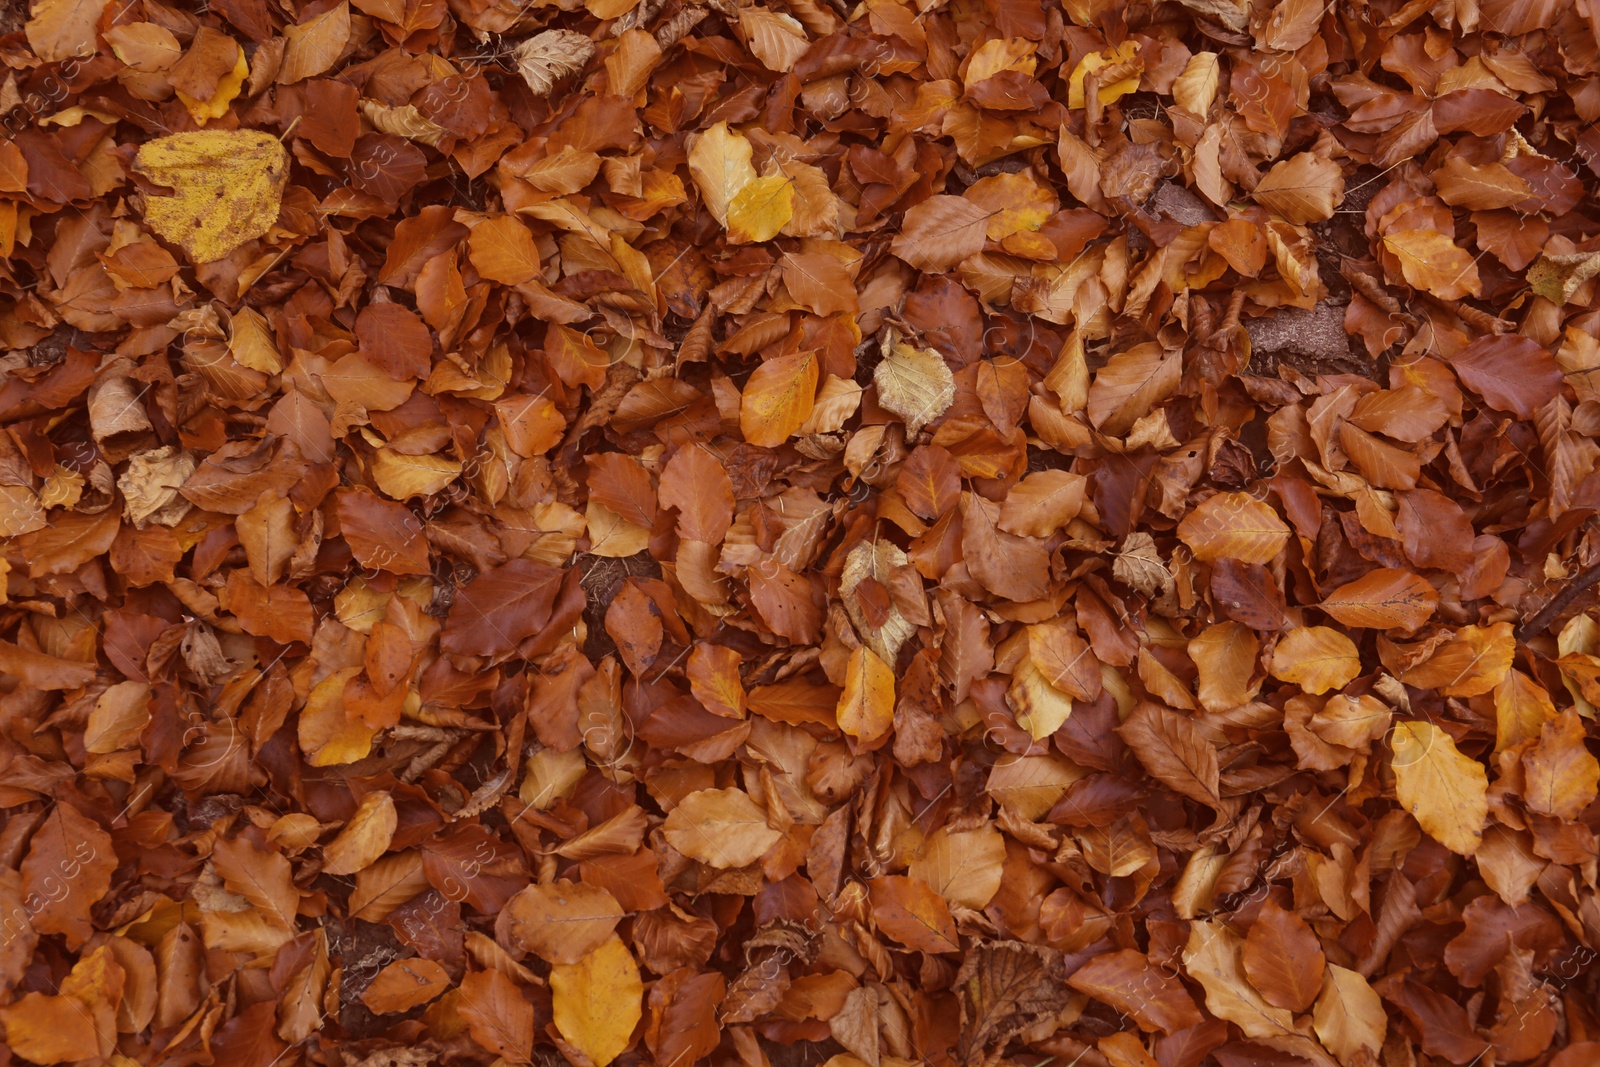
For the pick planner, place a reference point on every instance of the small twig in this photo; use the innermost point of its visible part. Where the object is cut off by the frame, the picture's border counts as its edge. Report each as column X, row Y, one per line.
column 1537, row 625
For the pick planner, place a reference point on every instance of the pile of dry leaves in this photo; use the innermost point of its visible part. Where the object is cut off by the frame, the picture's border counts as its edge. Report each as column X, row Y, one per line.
column 773, row 532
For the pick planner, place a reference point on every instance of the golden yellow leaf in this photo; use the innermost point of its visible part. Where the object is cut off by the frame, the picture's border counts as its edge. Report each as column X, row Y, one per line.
column 1018, row 203
column 119, row 716
column 719, row 162
column 1521, row 708
column 403, row 477
column 1446, row 791
column 1125, row 68
column 227, row 187
column 1577, row 642
column 327, row 735
column 228, row 87
column 1430, row 260
column 597, row 1001
column 866, row 708
column 1225, row 656
column 778, row 398
column 721, row 828
column 1316, row 658
column 551, row 776
column 252, row 344
column 1196, row 88
column 1234, row 526
column 364, row 838
column 760, row 210
column 1040, row 707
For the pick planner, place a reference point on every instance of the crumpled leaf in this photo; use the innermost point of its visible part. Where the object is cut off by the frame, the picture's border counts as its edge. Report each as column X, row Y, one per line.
column 914, row 383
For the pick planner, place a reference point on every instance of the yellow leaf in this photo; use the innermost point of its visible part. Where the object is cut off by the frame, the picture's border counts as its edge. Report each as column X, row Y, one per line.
column 228, row 87
column 1040, row 707
column 866, row 708
column 1430, row 260
column 252, row 344
column 1125, row 68
column 1316, row 658
column 1234, row 526
column 916, row 384
column 613, row 536
column 760, row 210
column 1349, row 1015
column 1581, row 637
column 364, row 838
column 1521, row 707
column 1446, row 791
column 719, row 162
column 721, row 828
column 1018, row 203
column 597, row 1001
column 1196, row 88
column 778, row 399
column 403, row 477
column 227, row 187
column 327, row 735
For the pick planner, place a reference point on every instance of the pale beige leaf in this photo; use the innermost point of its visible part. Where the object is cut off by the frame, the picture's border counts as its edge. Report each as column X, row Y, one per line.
column 721, row 828
column 546, row 58
column 1349, row 1015
column 916, row 384
column 1196, row 88
column 963, row 866
column 719, row 162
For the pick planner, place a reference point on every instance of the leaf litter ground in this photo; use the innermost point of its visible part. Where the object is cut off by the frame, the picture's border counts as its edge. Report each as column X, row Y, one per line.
column 653, row 532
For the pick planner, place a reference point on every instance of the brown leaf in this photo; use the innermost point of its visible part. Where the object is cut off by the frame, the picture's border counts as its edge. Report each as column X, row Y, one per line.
column 1006, row 987
column 1172, row 749
column 1283, row 958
